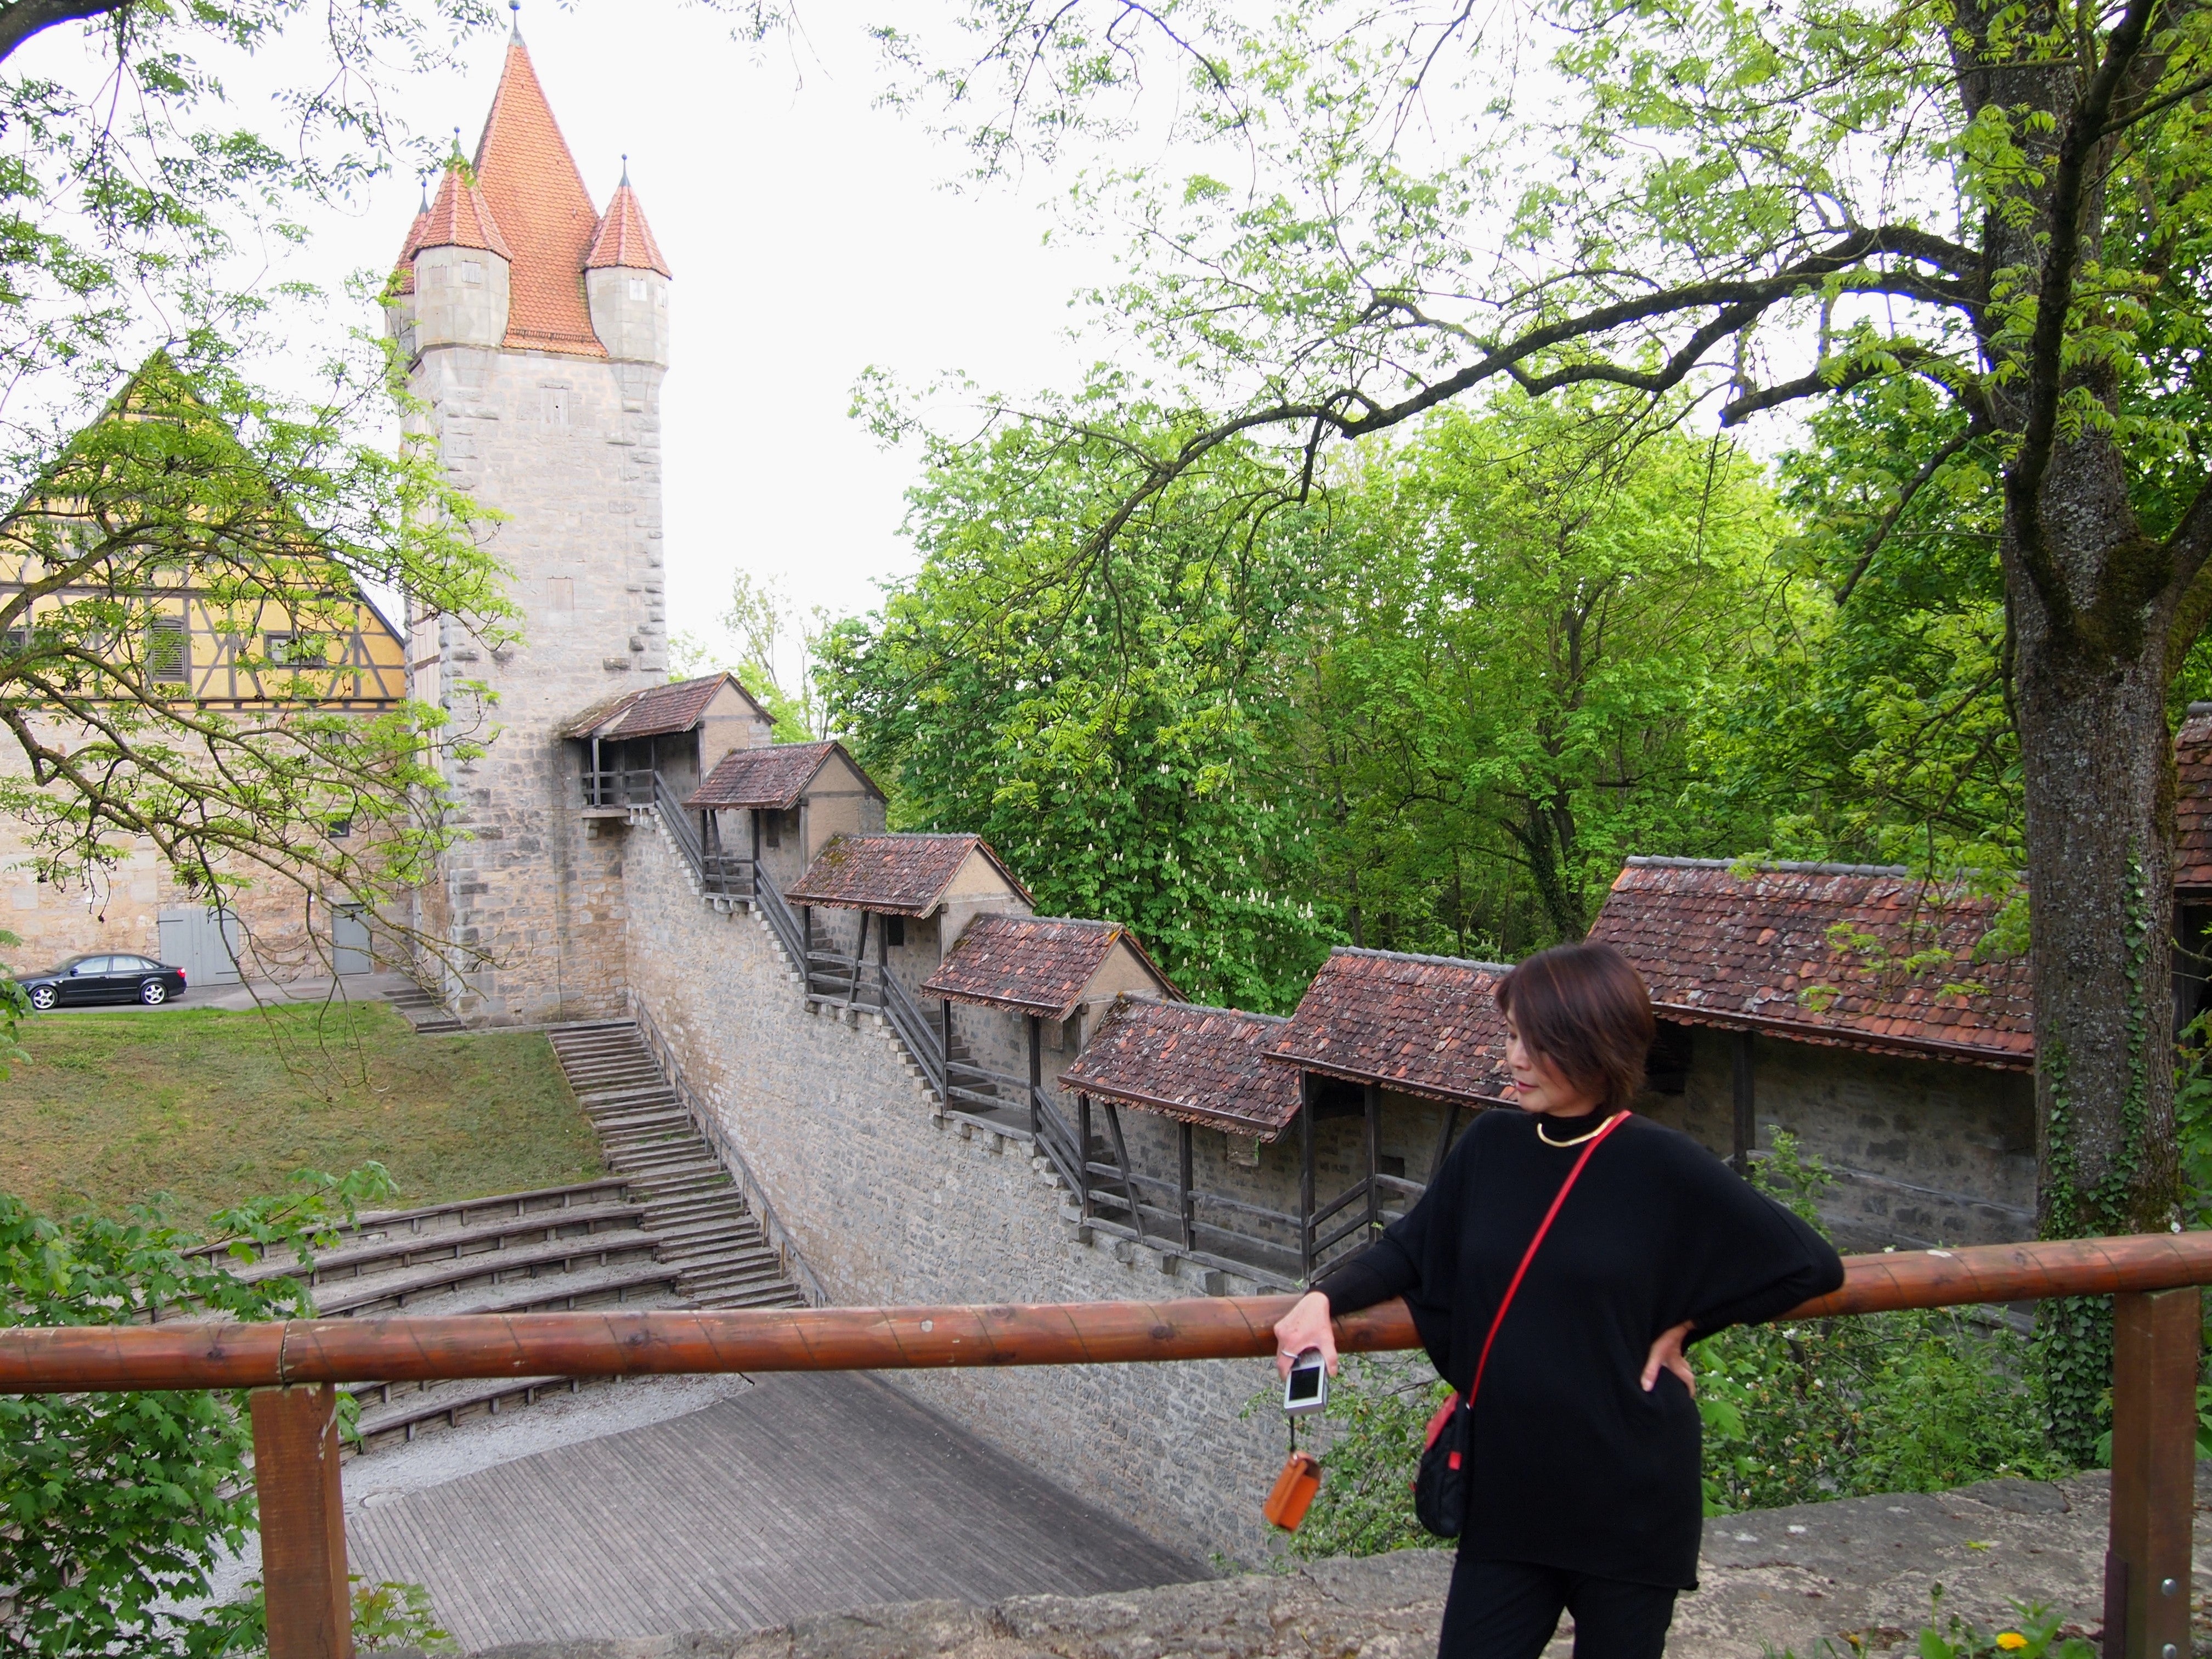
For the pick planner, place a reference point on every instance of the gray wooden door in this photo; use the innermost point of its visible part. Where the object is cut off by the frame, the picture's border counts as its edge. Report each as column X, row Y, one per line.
column 203, row 942
column 350, row 952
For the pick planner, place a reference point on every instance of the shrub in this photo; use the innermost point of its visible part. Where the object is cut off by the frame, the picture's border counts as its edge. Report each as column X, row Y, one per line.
column 114, row 1507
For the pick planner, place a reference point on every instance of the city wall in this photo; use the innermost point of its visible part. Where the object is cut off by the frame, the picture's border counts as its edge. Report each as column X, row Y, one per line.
column 885, row 1201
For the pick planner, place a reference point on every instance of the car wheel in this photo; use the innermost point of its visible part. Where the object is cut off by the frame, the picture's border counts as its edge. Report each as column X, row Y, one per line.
column 44, row 997
column 152, row 994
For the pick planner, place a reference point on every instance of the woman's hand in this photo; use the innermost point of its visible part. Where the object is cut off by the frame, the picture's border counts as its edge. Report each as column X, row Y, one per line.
column 1306, row 1325
column 1666, row 1355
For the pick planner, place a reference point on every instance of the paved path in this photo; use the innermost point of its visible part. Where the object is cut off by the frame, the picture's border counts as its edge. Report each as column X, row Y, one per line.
column 804, row 1495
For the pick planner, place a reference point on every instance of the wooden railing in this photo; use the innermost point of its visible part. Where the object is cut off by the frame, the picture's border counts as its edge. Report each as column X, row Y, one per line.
column 618, row 788
column 296, row 1366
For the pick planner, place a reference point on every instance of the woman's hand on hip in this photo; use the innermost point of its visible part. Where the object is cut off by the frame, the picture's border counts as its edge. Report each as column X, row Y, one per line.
column 1306, row 1325
column 1666, row 1355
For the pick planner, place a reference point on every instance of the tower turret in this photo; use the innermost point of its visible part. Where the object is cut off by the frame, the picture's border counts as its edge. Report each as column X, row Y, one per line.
column 462, row 271
column 627, row 281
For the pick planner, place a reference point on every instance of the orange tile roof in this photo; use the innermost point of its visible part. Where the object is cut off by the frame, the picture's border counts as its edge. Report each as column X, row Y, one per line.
column 1201, row 1065
column 404, row 272
column 539, row 198
column 2192, row 807
column 625, row 239
column 1851, row 956
column 1421, row 1025
column 460, row 217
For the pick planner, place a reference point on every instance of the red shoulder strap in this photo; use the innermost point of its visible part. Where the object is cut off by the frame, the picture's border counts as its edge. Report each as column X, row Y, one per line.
column 1529, row 1255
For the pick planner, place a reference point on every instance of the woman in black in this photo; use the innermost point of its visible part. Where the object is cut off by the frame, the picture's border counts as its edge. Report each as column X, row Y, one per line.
column 1584, row 1494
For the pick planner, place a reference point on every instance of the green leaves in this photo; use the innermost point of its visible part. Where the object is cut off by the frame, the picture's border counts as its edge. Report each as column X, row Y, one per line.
column 116, row 1507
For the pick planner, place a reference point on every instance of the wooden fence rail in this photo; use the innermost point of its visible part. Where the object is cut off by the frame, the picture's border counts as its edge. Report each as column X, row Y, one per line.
column 295, row 1365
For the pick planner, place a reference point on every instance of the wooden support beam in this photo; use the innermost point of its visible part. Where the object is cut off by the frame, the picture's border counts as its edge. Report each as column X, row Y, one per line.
column 303, row 1554
column 1373, row 1098
column 2156, row 1337
column 1083, row 1160
column 1747, row 1103
column 1305, row 1177
column 1037, row 1070
column 1182, row 1188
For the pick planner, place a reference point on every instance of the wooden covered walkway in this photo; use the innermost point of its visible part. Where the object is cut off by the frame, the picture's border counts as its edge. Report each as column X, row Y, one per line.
column 809, row 1493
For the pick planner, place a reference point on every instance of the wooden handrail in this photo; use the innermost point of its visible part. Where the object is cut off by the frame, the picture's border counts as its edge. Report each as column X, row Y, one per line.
column 294, row 1366
column 184, row 1354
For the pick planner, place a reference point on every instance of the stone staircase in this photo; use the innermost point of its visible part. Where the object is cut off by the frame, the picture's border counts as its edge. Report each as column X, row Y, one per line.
column 668, row 1228
column 687, row 1199
column 428, row 1016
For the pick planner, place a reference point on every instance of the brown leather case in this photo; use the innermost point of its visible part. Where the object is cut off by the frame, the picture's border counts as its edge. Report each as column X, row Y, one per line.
column 1294, row 1490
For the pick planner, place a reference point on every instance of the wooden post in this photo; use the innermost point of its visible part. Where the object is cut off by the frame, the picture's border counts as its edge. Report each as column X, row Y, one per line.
column 1444, row 1140
column 1374, row 1102
column 2155, row 1335
column 1182, row 1188
column 1747, row 1104
column 1083, row 1160
column 303, row 1556
column 1305, row 1176
column 592, row 792
column 1037, row 1070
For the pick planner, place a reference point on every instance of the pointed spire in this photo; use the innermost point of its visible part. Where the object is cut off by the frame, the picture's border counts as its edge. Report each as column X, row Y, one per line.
column 404, row 272
column 460, row 217
column 538, row 201
column 515, row 6
column 625, row 240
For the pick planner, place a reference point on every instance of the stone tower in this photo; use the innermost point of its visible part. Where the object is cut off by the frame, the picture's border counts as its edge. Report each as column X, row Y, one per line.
column 536, row 331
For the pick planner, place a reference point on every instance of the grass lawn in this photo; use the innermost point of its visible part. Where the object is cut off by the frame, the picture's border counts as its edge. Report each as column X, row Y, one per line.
column 209, row 1107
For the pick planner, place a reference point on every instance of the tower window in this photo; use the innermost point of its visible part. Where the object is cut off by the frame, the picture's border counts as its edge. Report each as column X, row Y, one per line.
column 472, row 273
column 560, row 592
column 894, row 931
column 554, row 403
column 637, row 287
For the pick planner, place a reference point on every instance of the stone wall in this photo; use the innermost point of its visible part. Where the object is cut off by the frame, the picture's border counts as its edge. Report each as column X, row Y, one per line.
column 887, row 1202
column 1924, row 1152
column 569, row 448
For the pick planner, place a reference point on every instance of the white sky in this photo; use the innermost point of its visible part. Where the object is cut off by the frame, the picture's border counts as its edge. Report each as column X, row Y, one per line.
column 810, row 239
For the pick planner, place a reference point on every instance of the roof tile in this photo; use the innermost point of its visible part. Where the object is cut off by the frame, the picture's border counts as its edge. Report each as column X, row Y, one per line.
column 2192, row 808
column 1031, row 964
column 772, row 778
column 1711, row 945
column 460, row 216
column 676, row 706
column 1204, row 1065
column 539, row 200
column 903, row 875
column 624, row 239
column 1424, row 1025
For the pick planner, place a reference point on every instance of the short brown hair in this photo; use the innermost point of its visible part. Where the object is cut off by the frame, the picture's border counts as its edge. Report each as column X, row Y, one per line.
column 1587, row 1013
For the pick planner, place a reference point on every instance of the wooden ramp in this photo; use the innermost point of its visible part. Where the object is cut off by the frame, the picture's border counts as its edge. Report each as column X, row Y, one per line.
column 809, row 1493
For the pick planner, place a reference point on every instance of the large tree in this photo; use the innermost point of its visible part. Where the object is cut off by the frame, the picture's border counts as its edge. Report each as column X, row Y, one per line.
column 1768, row 206
column 144, row 453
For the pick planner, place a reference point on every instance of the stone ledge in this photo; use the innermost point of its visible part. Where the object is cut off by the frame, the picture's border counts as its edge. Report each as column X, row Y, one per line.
column 1773, row 1579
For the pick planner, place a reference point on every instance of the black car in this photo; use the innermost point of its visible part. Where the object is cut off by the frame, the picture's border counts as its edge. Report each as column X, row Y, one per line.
column 104, row 978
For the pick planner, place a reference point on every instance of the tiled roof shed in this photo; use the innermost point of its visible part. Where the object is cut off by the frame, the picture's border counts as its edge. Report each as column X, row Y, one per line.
column 1420, row 1025
column 1810, row 952
column 656, row 710
column 2192, row 807
column 901, row 875
column 1203, row 1066
column 1032, row 965
column 772, row 778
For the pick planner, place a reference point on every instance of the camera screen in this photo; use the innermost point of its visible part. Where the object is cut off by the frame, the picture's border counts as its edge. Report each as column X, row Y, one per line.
column 1305, row 1384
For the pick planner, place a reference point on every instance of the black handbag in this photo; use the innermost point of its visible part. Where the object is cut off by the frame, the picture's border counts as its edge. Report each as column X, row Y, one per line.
column 1440, row 1484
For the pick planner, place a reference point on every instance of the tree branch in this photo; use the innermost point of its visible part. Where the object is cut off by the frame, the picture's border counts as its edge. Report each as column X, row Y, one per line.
column 22, row 19
column 2046, row 354
column 1928, row 470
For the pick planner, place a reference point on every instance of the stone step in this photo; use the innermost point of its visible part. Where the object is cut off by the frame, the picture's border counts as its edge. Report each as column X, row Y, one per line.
column 399, row 1251
column 396, row 1290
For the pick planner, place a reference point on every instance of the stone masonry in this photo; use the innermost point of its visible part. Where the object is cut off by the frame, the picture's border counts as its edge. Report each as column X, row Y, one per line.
column 887, row 1202
column 538, row 377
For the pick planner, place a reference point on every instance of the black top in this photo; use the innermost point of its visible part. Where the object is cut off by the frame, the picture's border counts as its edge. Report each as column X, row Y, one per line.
column 1575, row 1466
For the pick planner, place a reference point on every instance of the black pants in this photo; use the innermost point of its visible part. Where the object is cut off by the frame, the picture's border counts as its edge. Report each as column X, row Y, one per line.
column 1510, row 1609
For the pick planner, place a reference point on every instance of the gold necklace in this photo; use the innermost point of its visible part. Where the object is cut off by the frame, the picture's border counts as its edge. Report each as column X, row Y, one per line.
column 1590, row 1135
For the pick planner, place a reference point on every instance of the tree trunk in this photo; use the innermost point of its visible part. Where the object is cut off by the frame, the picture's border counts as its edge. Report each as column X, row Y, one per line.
column 2090, row 700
